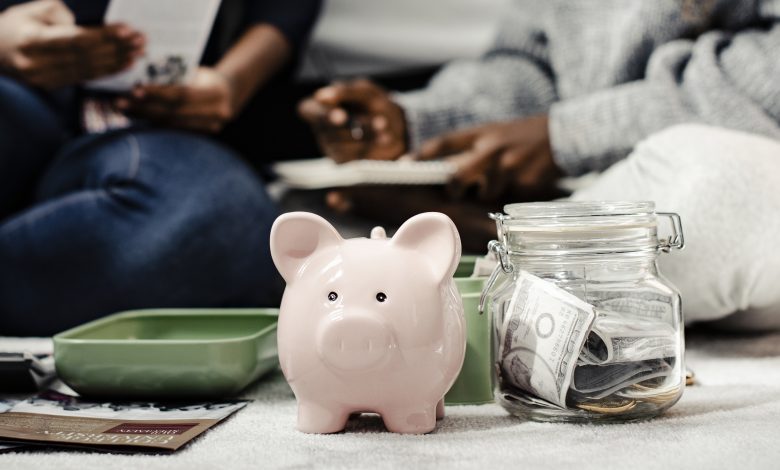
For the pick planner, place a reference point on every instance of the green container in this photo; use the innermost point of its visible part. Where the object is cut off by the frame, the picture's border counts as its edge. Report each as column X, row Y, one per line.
column 181, row 353
column 465, row 266
column 474, row 384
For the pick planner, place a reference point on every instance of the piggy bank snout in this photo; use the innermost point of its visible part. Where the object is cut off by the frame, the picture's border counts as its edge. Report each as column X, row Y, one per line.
column 353, row 341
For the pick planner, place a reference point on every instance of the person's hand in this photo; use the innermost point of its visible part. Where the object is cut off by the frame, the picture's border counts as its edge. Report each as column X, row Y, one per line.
column 41, row 45
column 498, row 159
column 204, row 104
column 356, row 119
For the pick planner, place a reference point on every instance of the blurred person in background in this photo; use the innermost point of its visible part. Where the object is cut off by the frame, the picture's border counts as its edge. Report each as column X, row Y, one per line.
column 675, row 101
column 400, row 44
column 154, row 215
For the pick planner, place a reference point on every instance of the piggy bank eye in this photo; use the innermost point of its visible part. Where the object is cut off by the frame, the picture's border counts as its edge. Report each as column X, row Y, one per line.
column 381, row 297
column 333, row 296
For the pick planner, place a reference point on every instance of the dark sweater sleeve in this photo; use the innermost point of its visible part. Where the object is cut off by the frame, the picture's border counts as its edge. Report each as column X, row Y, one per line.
column 294, row 19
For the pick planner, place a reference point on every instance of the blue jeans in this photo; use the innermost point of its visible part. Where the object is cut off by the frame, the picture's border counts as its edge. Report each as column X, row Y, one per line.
column 124, row 220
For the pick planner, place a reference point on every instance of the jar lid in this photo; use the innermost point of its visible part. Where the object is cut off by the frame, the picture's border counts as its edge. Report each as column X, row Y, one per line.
column 584, row 227
column 578, row 215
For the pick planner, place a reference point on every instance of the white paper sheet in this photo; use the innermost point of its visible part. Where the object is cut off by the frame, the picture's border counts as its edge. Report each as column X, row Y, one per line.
column 176, row 34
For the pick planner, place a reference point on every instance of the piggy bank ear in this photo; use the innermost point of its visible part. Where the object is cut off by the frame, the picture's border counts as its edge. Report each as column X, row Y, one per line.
column 296, row 236
column 435, row 240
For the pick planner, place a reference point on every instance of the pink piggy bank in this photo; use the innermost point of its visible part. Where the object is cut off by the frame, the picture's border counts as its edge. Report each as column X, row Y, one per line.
column 369, row 325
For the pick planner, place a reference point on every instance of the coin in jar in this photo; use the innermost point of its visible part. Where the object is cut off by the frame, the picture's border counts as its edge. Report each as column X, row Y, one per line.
column 690, row 378
column 613, row 406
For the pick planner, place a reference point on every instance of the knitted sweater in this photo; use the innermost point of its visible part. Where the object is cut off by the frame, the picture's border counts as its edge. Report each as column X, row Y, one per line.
column 611, row 72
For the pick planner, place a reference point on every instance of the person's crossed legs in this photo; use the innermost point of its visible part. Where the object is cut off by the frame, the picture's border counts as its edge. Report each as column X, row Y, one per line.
column 724, row 185
column 136, row 219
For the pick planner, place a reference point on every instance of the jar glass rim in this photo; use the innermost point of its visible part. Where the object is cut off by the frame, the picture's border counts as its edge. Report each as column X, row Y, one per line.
column 561, row 209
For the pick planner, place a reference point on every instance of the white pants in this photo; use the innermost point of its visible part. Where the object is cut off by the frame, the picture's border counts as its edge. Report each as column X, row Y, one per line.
column 726, row 187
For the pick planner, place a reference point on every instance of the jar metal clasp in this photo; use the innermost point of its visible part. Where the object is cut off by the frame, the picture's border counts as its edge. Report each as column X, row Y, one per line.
column 504, row 264
column 677, row 239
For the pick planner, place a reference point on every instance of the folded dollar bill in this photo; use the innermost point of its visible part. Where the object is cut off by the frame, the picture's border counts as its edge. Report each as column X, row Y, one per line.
column 642, row 303
column 540, row 340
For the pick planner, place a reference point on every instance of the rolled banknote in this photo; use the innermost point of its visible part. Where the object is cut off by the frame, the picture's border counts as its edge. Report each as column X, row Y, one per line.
column 541, row 337
column 615, row 338
column 597, row 382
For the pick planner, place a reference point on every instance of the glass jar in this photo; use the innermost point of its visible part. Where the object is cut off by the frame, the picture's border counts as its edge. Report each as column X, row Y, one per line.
column 585, row 327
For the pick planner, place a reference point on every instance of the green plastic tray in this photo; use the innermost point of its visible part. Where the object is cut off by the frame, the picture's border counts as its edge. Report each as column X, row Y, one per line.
column 168, row 353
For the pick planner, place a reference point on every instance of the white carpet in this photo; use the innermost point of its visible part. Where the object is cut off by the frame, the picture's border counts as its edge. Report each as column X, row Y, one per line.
column 730, row 419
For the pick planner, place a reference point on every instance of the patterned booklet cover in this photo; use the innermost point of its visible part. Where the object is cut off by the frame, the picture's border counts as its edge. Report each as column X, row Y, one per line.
column 57, row 419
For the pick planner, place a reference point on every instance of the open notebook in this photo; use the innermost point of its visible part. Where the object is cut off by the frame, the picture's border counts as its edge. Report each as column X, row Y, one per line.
column 321, row 173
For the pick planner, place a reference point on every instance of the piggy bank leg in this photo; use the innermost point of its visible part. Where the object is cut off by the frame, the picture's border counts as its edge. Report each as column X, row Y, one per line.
column 440, row 409
column 317, row 418
column 416, row 420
